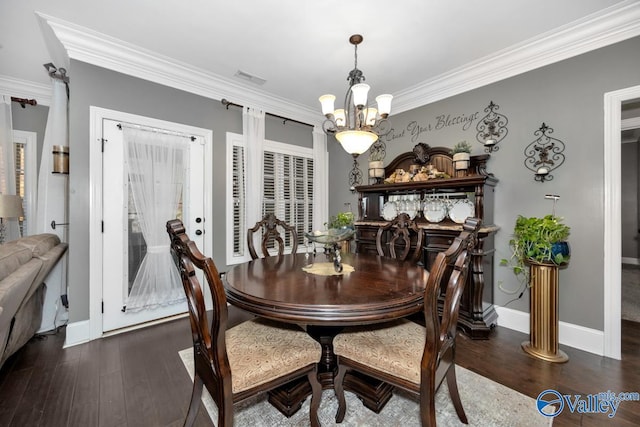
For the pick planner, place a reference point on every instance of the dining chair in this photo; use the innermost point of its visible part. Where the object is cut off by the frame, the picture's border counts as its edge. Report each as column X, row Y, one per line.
column 408, row 355
column 271, row 237
column 253, row 357
column 397, row 235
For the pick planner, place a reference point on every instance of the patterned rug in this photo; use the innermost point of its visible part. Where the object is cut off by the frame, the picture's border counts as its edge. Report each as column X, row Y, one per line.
column 486, row 404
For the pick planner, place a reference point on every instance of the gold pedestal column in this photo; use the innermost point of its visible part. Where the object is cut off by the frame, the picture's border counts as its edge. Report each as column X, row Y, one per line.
column 543, row 318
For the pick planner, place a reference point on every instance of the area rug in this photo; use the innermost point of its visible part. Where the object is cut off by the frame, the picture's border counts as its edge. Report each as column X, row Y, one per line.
column 486, row 403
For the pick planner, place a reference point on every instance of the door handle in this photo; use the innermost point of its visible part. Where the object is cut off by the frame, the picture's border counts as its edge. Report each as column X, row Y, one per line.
column 198, row 232
column 198, row 220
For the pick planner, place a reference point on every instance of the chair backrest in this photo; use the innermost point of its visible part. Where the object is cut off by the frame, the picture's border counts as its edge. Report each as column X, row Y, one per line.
column 208, row 339
column 397, row 235
column 271, row 236
column 449, row 271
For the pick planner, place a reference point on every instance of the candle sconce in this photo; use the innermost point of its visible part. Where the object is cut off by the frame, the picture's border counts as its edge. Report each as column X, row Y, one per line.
column 377, row 153
column 544, row 154
column 492, row 128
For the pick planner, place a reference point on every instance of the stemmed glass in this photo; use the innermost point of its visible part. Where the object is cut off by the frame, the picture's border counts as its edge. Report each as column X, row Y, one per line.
column 307, row 244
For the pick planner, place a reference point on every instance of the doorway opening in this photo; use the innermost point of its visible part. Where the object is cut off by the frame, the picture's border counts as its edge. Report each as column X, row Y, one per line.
column 612, row 217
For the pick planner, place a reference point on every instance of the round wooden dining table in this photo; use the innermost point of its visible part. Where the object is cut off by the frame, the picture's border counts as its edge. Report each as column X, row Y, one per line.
column 370, row 289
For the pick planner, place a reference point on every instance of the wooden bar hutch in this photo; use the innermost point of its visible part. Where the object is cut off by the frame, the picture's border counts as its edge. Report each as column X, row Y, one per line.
column 477, row 314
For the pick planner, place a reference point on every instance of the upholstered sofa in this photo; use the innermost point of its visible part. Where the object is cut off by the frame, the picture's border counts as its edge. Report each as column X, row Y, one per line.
column 24, row 265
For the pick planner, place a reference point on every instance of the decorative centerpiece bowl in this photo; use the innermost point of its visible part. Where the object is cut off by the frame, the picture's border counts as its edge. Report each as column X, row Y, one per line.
column 330, row 239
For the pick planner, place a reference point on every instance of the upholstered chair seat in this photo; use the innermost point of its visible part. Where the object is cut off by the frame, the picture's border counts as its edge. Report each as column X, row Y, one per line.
column 253, row 357
column 261, row 351
column 406, row 354
column 392, row 348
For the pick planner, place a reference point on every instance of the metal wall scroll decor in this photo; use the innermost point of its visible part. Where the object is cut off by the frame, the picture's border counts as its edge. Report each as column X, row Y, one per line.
column 492, row 128
column 544, row 154
column 355, row 175
column 378, row 150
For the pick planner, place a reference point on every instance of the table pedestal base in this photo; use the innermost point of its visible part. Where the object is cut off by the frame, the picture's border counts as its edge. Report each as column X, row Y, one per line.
column 288, row 398
column 373, row 393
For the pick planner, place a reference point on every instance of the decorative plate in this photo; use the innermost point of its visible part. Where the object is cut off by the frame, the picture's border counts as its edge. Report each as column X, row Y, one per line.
column 460, row 210
column 412, row 212
column 435, row 210
column 389, row 211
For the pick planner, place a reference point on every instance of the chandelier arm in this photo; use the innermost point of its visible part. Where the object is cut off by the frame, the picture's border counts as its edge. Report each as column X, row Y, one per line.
column 382, row 127
column 348, row 122
column 329, row 126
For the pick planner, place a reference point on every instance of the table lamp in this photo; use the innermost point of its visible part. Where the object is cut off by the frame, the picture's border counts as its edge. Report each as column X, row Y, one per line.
column 10, row 207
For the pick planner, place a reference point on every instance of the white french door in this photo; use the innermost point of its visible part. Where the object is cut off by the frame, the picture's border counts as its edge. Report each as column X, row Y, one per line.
column 124, row 244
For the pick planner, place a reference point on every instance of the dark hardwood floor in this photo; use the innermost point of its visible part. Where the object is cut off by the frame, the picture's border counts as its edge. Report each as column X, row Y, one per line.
column 137, row 378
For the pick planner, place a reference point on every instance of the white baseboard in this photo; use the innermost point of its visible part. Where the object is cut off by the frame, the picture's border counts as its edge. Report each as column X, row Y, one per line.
column 80, row 332
column 632, row 261
column 576, row 336
column 77, row 333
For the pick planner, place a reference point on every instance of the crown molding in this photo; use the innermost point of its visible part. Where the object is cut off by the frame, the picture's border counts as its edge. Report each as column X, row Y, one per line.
column 25, row 89
column 98, row 49
column 606, row 27
column 611, row 25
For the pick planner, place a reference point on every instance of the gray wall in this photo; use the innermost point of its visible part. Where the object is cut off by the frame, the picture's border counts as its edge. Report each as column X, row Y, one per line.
column 568, row 97
column 95, row 86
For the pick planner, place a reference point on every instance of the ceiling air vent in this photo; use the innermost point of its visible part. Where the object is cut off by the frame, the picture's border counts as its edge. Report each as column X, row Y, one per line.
column 250, row 77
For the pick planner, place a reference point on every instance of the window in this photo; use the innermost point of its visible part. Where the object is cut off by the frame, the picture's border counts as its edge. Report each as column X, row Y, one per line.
column 288, row 173
column 24, row 145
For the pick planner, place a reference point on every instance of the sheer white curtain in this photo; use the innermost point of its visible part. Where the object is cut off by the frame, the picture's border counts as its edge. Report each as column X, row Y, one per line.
column 7, row 164
column 320, row 183
column 52, row 189
column 253, row 131
column 156, row 163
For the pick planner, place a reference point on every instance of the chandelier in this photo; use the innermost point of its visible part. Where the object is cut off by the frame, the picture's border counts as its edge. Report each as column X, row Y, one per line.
column 356, row 126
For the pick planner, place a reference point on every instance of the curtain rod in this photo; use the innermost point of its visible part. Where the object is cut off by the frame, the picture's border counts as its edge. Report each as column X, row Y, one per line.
column 157, row 130
column 24, row 101
column 56, row 73
column 228, row 104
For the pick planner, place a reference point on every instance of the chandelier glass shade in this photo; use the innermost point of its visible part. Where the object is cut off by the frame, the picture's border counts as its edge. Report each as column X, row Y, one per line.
column 356, row 126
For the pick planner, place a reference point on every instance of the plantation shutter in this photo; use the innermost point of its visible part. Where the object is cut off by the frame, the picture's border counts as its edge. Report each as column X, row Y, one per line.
column 238, row 189
column 288, row 190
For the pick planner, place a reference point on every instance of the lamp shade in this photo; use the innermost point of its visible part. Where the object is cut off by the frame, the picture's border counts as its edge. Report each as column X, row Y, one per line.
column 10, row 206
column 370, row 116
column 340, row 117
column 384, row 104
column 356, row 141
column 327, row 102
column 360, row 92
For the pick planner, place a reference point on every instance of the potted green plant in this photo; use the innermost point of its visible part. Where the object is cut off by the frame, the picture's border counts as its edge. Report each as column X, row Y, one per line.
column 461, row 153
column 342, row 224
column 540, row 248
column 541, row 240
column 341, row 220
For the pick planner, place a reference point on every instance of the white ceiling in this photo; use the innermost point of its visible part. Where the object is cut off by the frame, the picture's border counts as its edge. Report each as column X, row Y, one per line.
column 301, row 48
